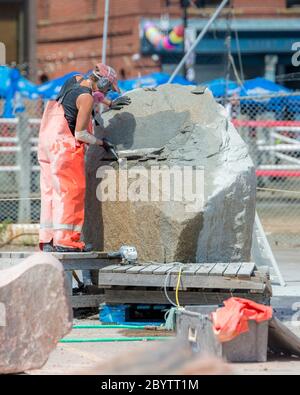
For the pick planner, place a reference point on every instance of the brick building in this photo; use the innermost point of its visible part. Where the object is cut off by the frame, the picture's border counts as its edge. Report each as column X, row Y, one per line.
column 69, row 34
column 56, row 36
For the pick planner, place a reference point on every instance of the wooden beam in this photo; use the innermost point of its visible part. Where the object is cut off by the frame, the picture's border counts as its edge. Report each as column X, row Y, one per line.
column 246, row 270
column 196, row 281
column 232, row 270
column 81, row 301
column 117, row 296
column 205, row 269
column 218, row 269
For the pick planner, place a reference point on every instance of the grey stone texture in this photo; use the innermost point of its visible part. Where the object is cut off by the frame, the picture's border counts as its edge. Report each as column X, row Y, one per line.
column 173, row 127
column 35, row 312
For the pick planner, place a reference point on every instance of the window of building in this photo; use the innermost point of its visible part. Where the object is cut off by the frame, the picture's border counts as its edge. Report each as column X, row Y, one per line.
column 293, row 3
column 45, row 9
column 197, row 3
column 207, row 3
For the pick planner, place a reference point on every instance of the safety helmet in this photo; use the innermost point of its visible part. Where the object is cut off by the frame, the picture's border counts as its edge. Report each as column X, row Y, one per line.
column 106, row 76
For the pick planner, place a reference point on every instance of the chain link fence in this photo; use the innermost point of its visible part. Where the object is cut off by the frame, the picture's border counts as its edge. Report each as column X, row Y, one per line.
column 19, row 170
column 270, row 125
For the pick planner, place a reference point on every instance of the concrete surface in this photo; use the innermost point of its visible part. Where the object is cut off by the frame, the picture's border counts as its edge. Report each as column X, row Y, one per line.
column 69, row 357
column 286, row 302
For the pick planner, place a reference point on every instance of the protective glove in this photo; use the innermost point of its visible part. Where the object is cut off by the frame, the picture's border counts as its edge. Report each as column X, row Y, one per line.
column 120, row 102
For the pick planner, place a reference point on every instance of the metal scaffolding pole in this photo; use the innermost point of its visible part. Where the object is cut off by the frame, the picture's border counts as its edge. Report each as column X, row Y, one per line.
column 199, row 38
column 262, row 253
column 105, row 31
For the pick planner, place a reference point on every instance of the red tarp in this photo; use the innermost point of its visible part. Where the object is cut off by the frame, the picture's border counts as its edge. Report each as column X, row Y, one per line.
column 232, row 319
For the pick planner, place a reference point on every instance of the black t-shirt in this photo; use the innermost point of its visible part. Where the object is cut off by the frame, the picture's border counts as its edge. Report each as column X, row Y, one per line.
column 69, row 101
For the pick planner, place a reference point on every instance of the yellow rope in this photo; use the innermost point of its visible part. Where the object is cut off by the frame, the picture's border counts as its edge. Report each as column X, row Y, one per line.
column 177, row 287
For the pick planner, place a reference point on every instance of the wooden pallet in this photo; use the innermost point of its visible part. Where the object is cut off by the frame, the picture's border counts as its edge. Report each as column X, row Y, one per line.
column 199, row 283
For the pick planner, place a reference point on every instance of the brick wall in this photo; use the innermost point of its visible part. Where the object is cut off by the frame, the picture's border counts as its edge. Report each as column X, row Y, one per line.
column 70, row 31
column 259, row 8
column 70, row 34
column 259, row 4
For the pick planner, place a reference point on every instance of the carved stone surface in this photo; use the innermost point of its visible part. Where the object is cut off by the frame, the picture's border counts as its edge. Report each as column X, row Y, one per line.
column 173, row 127
column 35, row 312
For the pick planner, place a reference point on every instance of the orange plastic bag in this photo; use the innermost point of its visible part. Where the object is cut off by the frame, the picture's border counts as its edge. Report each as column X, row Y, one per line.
column 232, row 319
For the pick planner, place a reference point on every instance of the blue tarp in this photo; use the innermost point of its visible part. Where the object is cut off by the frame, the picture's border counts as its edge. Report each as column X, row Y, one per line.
column 50, row 89
column 256, row 87
column 150, row 81
column 11, row 82
column 261, row 87
column 218, row 87
column 14, row 87
column 5, row 80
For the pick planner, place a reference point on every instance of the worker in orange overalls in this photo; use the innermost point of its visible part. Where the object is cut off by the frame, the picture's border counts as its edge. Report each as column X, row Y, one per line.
column 65, row 128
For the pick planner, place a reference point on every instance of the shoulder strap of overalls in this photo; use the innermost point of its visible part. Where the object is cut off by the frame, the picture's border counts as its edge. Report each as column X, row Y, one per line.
column 77, row 83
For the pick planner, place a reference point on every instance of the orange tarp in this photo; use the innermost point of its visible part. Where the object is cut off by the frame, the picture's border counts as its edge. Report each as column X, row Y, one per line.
column 232, row 319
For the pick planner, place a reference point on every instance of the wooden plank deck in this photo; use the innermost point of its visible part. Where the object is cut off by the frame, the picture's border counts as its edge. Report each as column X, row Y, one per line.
column 218, row 269
column 246, row 270
column 132, row 296
column 232, row 270
column 205, row 269
column 200, row 283
column 201, row 276
column 146, row 280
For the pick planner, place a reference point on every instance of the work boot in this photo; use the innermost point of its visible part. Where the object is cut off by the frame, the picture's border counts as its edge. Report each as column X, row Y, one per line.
column 87, row 248
column 48, row 247
column 66, row 249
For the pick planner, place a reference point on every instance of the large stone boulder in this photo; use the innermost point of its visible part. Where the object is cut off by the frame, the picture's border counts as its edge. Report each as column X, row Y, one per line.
column 175, row 128
column 35, row 312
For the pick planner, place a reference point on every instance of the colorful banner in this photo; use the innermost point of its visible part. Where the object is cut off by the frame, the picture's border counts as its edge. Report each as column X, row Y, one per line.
column 162, row 41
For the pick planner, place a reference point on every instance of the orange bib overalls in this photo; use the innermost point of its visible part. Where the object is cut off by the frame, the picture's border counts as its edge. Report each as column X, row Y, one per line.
column 62, row 180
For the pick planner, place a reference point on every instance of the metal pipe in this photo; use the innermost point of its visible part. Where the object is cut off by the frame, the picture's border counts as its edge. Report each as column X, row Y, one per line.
column 278, row 167
column 280, row 147
column 264, row 254
column 185, row 25
column 199, row 38
column 105, row 31
column 31, row 44
column 110, row 326
column 116, row 339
